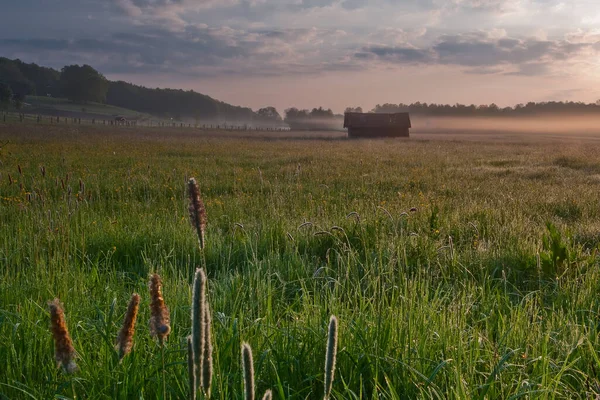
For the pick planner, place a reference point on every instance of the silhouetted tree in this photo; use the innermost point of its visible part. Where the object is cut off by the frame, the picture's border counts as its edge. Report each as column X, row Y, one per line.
column 5, row 95
column 269, row 114
column 318, row 118
column 353, row 110
column 321, row 113
column 11, row 75
column 83, row 84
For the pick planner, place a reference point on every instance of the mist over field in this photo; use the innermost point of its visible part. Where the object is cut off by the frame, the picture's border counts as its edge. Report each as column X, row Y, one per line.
column 569, row 124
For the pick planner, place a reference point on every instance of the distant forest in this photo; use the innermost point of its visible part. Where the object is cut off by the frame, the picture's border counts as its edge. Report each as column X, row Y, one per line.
column 491, row 110
column 83, row 84
column 320, row 118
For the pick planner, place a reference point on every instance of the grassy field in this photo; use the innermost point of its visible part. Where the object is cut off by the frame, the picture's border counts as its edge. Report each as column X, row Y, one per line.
column 457, row 268
column 93, row 110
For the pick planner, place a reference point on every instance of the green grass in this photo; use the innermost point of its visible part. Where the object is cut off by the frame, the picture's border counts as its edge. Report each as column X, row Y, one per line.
column 466, row 297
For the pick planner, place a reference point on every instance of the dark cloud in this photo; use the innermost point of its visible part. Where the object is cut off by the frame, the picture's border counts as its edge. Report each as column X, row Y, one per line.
column 405, row 55
column 487, row 5
column 198, row 51
column 483, row 54
column 156, row 50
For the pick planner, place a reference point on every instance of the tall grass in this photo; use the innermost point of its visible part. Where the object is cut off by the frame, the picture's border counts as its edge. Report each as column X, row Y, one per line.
column 455, row 299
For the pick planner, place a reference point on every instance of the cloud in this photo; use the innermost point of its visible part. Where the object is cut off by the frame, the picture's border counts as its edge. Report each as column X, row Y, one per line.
column 195, row 52
column 481, row 52
column 168, row 14
column 128, row 7
column 531, row 69
column 402, row 55
column 498, row 6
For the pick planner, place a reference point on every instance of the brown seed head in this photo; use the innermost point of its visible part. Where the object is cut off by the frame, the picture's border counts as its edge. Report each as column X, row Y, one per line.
column 197, row 211
column 63, row 345
column 159, row 313
column 125, row 338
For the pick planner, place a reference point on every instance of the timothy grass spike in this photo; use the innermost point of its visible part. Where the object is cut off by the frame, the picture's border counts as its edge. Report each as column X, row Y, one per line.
column 64, row 352
column 330, row 357
column 207, row 367
column 198, row 304
column 125, row 337
column 191, row 371
column 248, row 368
column 159, row 313
column 197, row 211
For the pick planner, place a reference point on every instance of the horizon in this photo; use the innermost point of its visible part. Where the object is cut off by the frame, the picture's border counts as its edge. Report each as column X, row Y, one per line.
column 329, row 53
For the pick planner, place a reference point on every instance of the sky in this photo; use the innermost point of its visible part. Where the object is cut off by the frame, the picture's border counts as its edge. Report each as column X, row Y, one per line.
column 330, row 53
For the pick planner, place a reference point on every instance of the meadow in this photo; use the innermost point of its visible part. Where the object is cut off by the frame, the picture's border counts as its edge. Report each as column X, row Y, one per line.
column 457, row 268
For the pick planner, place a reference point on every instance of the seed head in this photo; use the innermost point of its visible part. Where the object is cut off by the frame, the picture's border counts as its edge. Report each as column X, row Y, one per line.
column 197, row 211
column 198, row 310
column 330, row 357
column 125, row 338
column 207, row 367
column 248, row 367
column 268, row 395
column 159, row 313
column 191, row 372
column 63, row 345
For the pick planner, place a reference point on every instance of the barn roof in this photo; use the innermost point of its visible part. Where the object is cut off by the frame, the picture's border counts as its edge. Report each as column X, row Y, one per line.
column 373, row 120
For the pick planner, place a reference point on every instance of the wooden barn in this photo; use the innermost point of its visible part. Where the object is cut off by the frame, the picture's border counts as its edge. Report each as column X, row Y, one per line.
column 361, row 125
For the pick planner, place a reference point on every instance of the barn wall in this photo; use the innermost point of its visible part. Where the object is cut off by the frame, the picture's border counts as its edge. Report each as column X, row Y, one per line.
column 378, row 132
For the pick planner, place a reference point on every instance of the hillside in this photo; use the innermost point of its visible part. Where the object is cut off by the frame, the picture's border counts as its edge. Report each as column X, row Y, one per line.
column 27, row 80
column 56, row 106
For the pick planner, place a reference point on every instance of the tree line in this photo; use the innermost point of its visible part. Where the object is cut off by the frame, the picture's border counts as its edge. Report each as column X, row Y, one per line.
column 323, row 118
column 491, row 110
column 83, row 84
